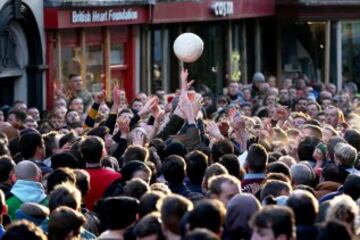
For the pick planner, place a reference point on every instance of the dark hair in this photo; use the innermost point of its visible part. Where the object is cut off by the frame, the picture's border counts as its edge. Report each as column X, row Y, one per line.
column 64, row 159
column 201, row 234
column 334, row 229
column 111, row 208
column 331, row 172
column 207, row 214
column 65, row 195
column 136, row 188
column 19, row 114
column 305, row 207
column 100, row 131
column 220, row 148
column 231, row 163
column 50, row 143
column 71, row 75
column 59, row 176
column 149, row 201
column 28, row 144
column 257, row 158
column 63, row 221
column 352, row 136
column 196, row 164
column 278, row 167
column 68, row 138
column 352, row 186
column 279, row 218
column 82, row 181
column 7, row 165
column 306, row 148
column 91, row 148
column 173, row 169
column 149, row 225
column 173, row 208
column 273, row 188
column 23, row 230
column 135, row 152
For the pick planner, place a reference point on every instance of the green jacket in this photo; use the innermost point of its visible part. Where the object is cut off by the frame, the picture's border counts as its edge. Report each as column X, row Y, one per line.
column 14, row 203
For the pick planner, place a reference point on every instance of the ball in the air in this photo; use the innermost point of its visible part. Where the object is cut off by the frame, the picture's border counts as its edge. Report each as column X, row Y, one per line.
column 188, row 47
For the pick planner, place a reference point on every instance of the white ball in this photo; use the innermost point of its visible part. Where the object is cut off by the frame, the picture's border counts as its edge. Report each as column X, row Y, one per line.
column 188, row 47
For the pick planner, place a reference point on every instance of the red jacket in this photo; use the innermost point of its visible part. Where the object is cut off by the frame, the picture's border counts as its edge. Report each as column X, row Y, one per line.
column 100, row 179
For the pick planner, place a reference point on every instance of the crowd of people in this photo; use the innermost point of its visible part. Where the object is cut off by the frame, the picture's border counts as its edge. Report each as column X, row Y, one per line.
column 268, row 160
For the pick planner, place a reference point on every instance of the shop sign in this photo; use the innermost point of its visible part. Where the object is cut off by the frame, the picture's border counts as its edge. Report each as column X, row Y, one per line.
column 96, row 16
column 223, row 8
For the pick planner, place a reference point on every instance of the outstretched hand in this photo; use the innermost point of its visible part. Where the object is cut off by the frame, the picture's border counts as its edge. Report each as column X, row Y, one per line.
column 100, row 97
column 151, row 103
column 185, row 85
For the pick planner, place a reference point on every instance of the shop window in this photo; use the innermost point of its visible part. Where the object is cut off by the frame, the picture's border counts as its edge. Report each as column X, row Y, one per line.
column 117, row 54
column 351, row 51
column 94, row 67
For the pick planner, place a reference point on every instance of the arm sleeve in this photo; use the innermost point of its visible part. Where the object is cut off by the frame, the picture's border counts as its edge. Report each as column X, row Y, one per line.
column 91, row 116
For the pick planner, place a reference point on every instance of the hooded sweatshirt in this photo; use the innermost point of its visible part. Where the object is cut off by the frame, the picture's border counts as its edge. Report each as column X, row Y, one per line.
column 25, row 191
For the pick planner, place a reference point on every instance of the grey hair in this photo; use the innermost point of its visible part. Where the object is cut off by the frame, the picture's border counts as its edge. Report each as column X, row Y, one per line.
column 301, row 174
column 346, row 154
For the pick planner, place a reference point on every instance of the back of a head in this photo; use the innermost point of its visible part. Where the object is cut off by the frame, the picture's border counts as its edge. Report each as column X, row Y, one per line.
column 196, row 164
column 65, row 194
column 68, row 138
column 148, row 226
column 278, row 167
column 352, row 136
column 220, row 148
column 82, row 181
column 345, row 155
column 352, row 186
column 173, row 169
column 23, row 230
column 333, row 141
column 301, row 174
column 215, row 183
column 28, row 144
column 174, row 148
column 113, row 207
column 231, row 163
column 59, row 176
column 334, row 229
column 345, row 209
column 64, row 221
column 91, row 148
column 149, row 202
column 201, row 234
column 279, row 218
column 207, row 214
column 306, row 148
column 274, row 188
column 7, row 166
column 257, row 158
column 173, row 208
column 136, row 188
column 135, row 152
column 305, row 207
column 27, row 170
column 64, row 159
column 100, row 132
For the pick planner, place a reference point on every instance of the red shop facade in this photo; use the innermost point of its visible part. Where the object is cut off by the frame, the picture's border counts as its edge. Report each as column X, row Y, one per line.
column 98, row 42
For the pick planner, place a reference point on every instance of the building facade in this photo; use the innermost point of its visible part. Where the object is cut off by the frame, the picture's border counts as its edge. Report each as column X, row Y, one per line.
column 22, row 52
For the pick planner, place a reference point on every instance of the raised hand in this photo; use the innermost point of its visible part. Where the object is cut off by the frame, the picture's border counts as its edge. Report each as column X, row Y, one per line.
column 214, row 130
column 148, row 106
column 116, row 96
column 100, row 97
column 124, row 126
column 185, row 85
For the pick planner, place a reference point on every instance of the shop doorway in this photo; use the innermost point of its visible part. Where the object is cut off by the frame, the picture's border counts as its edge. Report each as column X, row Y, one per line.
column 7, row 91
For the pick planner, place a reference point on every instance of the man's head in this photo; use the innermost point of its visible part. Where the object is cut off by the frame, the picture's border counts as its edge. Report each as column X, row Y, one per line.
column 77, row 105
column 136, row 104
column 306, row 148
column 23, row 230
column 352, row 136
column 273, row 223
column 300, row 105
column 345, row 155
column 310, row 130
column 173, row 208
column 59, row 176
column 65, row 223
column 92, row 149
column 149, row 227
column 65, row 194
column 274, row 188
column 136, row 152
column 224, row 187
column 313, row 109
column 333, row 116
column 32, row 146
column 27, row 170
column 75, row 82
column 284, row 95
column 231, row 163
column 305, row 207
column 173, row 169
column 34, row 113
column 233, row 88
column 196, row 164
column 302, row 174
column 7, row 166
column 257, row 159
column 16, row 118
column 220, row 148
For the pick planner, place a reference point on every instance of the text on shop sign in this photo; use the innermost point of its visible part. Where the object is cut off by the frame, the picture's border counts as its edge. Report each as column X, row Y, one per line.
column 103, row 16
column 223, row 8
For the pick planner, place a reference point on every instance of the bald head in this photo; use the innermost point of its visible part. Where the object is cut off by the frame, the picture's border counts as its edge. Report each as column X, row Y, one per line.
column 27, row 170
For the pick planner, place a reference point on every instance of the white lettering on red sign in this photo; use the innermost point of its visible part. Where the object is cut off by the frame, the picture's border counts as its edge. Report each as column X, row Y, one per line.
column 223, row 8
column 103, row 16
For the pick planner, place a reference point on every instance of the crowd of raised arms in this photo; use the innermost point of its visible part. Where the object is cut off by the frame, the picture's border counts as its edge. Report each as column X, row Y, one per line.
column 268, row 160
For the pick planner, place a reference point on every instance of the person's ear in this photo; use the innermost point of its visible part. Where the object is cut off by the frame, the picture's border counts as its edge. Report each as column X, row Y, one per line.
column 13, row 178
